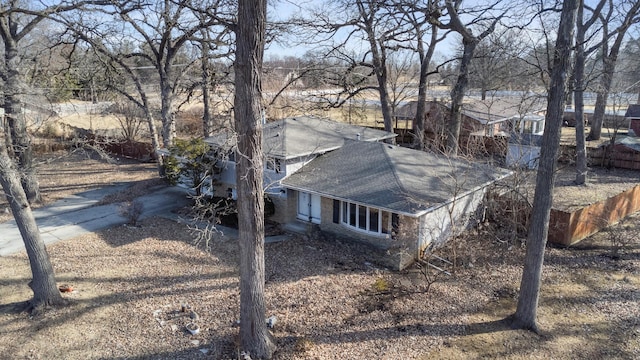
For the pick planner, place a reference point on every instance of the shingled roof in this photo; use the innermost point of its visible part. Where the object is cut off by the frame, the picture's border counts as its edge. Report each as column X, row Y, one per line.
column 489, row 111
column 305, row 135
column 393, row 178
column 633, row 111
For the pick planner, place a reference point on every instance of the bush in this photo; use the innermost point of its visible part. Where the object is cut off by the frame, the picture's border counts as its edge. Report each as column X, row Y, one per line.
column 189, row 161
column 131, row 210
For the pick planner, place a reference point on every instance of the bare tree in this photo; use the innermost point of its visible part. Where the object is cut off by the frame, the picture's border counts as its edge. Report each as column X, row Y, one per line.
column 16, row 22
column 118, row 69
column 526, row 312
column 370, row 25
column 160, row 31
column 469, row 44
column 582, row 27
column 421, row 20
column 627, row 68
column 255, row 337
column 610, row 57
column 207, row 122
column 45, row 291
column 213, row 45
column 496, row 64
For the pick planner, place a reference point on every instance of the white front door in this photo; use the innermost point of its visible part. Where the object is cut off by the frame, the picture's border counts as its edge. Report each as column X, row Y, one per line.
column 309, row 207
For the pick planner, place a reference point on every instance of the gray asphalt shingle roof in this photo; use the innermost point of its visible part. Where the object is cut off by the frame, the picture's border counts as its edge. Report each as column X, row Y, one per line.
column 390, row 177
column 305, row 135
column 491, row 110
column 633, row 111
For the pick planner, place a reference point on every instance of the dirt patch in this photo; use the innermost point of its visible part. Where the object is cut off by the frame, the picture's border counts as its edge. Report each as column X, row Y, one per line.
column 330, row 298
column 330, row 301
column 602, row 183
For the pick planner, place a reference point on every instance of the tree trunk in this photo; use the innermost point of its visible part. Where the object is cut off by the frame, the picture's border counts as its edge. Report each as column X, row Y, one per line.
column 601, row 101
column 384, row 104
column 255, row 338
column 380, row 67
column 526, row 312
column 45, row 291
column 578, row 78
column 207, row 123
column 421, row 108
column 166, row 108
column 609, row 60
column 457, row 96
column 155, row 142
column 13, row 108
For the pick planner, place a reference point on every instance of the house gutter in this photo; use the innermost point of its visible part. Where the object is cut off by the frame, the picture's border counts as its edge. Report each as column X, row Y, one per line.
column 413, row 215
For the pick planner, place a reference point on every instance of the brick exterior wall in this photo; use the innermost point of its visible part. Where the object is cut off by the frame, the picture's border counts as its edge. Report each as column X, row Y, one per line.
column 413, row 235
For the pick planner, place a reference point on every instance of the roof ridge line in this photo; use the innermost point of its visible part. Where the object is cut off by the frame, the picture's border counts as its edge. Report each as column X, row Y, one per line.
column 393, row 168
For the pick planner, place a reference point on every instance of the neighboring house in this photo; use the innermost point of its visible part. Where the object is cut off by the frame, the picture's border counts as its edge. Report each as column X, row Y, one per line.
column 633, row 116
column 525, row 140
column 481, row 119
column 343, row 180
column 499, row 115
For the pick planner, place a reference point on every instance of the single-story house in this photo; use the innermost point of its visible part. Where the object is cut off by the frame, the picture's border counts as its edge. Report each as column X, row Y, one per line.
column 342, row 179
column 288, row 144
column 402, row 200
column 481, row 119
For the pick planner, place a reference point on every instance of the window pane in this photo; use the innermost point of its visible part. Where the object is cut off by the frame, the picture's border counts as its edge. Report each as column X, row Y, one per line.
column 352, row 214
column 373, row 220
column 345, row 212
column 386, row 223
column 362, row 217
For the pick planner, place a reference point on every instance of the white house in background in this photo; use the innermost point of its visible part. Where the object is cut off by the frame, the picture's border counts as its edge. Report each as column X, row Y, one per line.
column 343, row 180
column 524, row 142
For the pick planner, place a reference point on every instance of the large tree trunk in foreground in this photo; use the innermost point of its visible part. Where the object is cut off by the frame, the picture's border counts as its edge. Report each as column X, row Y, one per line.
column 255, row 338
column 45, row 291
column 526, row 312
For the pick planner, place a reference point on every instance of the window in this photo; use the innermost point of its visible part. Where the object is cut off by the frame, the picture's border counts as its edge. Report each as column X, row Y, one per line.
column 273, row 164
column 364, row 218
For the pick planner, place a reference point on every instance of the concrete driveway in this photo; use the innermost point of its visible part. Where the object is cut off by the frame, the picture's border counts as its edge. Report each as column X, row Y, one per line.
column 79, row 214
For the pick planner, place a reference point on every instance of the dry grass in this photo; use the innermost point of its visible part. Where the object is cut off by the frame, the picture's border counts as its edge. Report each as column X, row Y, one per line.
column 65, row 173
column 330, row 299
column 131, row 282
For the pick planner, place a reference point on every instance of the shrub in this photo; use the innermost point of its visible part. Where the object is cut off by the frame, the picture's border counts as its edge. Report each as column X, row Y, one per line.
column 131, row 210
column 189, row 161
column 381, row 285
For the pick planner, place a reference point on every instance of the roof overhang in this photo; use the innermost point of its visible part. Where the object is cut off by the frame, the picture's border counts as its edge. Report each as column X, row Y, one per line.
column 400, row 212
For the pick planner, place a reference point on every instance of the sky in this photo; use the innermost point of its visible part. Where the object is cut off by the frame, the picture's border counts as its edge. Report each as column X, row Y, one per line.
column 283, row 9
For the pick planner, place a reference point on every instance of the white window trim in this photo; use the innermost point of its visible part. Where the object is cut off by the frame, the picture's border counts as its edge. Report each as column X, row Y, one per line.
column 346, row 224
column 273, row 164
